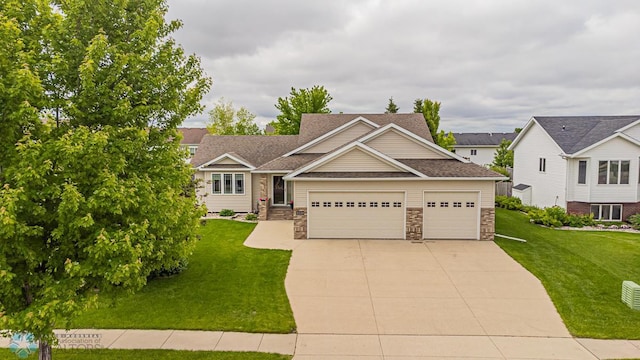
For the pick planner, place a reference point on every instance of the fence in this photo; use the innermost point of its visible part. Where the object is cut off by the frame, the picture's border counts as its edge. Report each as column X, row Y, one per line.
column 504, row 188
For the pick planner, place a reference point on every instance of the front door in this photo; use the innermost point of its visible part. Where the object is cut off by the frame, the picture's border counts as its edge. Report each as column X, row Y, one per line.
column 278, row 190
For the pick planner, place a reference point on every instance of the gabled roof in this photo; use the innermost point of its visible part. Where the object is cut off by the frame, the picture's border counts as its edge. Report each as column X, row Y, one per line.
column 482, row 139
column 575, row 133
column 450, row 168
column 313, row 126
column 255, row 149
column 240, row 162
column 192, row 136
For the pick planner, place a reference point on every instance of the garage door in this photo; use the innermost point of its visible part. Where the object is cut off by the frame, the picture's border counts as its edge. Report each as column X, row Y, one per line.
column 451, row 215
column 356, row 215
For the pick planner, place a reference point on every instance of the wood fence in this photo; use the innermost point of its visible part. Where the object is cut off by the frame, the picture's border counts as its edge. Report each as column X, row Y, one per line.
column 504, row 188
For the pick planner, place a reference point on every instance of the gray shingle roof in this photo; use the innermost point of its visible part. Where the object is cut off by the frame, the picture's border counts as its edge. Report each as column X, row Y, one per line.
column 357, row 175
column 574, row 133
column 289, row 163
column 255, row 149
column 192, row 136
column 449, row 168
column 482, row 139
column 313, row 126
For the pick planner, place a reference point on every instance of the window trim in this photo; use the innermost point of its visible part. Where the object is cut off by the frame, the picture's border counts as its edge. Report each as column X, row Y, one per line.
column 234, row 177
column 598, row 216
column 542, row 165
column 605, row 175
column 582, row 176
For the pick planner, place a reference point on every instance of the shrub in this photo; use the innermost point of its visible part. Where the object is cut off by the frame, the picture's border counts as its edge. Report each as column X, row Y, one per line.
column 634, row 220
column 227, row 212
column 251, row 217
column 556, row 216
column 170, row 271
column 509, row 203
column 581, row 220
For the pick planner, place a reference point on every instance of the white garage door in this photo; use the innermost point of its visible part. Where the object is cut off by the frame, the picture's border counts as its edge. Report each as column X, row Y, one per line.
column 451, row 215
column 356, row 215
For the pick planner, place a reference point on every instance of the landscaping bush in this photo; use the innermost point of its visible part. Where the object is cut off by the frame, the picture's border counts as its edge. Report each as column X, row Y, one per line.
column 509, row 203
column 251, row 217
column 227, row 212
column 634, row 220
column 556, row 216
column 581, row 220
column 170, row 271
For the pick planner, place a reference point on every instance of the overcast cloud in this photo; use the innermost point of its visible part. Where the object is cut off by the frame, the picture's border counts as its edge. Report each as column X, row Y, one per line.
column 492, row 64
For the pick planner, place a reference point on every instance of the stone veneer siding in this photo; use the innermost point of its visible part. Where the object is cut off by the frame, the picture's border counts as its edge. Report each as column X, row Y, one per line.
column 263, row 207
column 414, row 224
column 628, row 209
column 300, row 223
column 487, row 223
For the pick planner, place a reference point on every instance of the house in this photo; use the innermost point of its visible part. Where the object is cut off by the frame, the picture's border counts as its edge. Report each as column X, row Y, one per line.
column 191, row 138
column 585, row 164
column 350, row 176
column 480, row 148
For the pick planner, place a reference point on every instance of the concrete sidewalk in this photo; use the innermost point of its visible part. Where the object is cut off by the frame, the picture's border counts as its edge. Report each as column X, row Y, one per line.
column 362, row 347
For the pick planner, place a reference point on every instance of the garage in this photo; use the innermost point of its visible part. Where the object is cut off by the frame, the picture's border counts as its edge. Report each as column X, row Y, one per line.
column 356, row 215
column 451, row 215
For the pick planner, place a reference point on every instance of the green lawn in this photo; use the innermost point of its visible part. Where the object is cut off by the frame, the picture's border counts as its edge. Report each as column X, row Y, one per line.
column 582, row 272
column 226, row 286
column 149, row 354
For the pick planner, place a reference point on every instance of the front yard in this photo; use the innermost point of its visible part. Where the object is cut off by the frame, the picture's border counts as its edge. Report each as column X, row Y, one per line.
column 150, row 354
column 226, row 286
column 581, row 270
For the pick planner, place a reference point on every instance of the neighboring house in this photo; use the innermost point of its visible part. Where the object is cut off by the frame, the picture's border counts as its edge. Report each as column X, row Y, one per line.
column 191, row 138
column 480, row 148
column 586, row 164
column 350, row 176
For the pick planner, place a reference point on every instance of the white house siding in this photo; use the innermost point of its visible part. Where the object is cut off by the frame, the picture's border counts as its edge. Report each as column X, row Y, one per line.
column 575, row 191
column 484, row 155
column 634, row 132
column 548, row 188
column 400, row 147
column 615, row 149
column 339, row 139
column 355, row 160
column 215, row 203
column 414, row 189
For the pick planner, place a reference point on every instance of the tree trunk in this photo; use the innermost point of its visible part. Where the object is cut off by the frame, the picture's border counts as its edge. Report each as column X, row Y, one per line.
column 44, row 352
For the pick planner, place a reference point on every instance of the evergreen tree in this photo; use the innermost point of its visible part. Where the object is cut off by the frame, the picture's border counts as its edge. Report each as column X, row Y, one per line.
column 391, row 108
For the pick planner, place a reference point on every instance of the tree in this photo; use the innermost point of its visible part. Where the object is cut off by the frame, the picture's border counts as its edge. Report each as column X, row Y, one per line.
column 95, row 194
column 302, row 101
column 391, row 108
column 224, row 119
column 431, row 112
column 503, row 156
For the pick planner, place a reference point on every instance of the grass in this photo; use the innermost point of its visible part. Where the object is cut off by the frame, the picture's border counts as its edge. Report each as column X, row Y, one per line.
column 581, row 270
column 226, row 286
column 113, row 354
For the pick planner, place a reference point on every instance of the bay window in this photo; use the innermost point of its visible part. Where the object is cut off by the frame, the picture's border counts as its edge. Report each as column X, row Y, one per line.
column 227, row 184
column 613, row 172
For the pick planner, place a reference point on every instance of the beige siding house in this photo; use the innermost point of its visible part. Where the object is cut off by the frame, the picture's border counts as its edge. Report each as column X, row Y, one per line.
column 351, row 176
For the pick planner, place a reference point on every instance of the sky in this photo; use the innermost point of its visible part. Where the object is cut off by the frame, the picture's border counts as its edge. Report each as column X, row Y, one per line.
column 491, row 64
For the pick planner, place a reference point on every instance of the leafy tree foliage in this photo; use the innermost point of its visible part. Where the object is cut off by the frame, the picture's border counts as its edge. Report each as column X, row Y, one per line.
column 503, row 156
column 391, row 108
column 302, row 101
column 94, row 191
column 431, row 112
column 224, row 119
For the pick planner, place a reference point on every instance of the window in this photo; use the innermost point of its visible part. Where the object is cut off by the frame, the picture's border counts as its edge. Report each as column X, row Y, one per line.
column 216, row 184
column 326, row 204
column 431, row 204
column 613, row 172
column 607, row 212
column 362, row 204
column 542, row 165
column 471, row 204
column 338, row 204
column 457, row 204
column 350, row 203
column 582, row 172
column 397, row 204
column 315, row 204
column 384, row 204
column 228, row 183
column 192, row 149
column 373, row 204
column 444, row 204
column 239, row 178
column 474, row 152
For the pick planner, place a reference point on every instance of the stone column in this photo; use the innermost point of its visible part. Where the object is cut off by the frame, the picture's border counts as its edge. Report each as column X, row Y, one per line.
column 263, row 207
column 300, row 223
column 414, row 223
column 487, row 224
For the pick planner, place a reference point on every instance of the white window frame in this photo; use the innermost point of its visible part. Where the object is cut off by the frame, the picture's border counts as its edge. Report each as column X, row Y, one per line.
column 235, row 189
column 598, row 216
column 473, row 152
column 619, row 172
column 586, row 171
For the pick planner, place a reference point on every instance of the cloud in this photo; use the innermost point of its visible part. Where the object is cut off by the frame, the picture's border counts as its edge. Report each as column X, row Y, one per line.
column 492, row 64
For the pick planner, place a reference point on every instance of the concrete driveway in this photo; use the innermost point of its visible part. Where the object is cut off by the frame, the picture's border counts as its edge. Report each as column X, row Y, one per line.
column 403, row 288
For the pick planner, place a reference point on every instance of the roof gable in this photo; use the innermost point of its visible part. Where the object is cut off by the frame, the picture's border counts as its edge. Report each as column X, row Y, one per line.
column 336, row 137
column 576, row 133
column 227, row 161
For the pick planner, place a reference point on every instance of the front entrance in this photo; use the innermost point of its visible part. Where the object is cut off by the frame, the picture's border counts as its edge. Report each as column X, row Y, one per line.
column 279, row 190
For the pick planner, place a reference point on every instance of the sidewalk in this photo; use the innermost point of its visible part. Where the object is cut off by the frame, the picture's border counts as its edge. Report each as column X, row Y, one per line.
column 365, row 347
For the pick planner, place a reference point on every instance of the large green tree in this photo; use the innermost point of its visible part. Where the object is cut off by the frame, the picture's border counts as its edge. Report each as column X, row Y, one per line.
column 224, row 119
column 391, row 108
column 302, row 101
column 430, row 110
column 94, row 191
